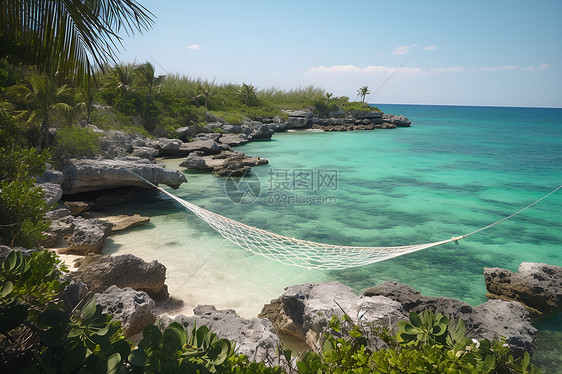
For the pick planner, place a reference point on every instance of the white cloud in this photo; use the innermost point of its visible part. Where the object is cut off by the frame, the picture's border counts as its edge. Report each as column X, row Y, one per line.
column 544, row 66
column 195, row 47
column 499, row 68
column 372, row 70
column 403, row 49
column 430, row 47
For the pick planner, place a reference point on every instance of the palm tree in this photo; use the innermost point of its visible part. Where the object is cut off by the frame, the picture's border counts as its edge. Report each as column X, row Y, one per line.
column 206, row 91
column 363, row 92
column 145, row 76
column 67, row 37
column 120, row 77
column 39, row 100
column 248, row 93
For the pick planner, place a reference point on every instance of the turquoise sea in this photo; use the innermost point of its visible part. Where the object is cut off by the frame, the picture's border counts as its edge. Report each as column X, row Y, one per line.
column 455, row 170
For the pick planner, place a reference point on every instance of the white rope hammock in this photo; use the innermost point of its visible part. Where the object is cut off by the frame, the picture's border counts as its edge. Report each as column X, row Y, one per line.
column 307, row 254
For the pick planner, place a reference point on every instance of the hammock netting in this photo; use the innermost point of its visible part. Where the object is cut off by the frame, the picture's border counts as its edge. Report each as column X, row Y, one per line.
column 307, row 254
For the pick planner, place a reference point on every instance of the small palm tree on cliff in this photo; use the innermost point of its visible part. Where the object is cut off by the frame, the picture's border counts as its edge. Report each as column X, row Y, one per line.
column 363, row 92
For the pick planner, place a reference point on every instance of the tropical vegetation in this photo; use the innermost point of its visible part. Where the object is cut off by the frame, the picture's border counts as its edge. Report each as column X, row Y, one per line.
column 40, row 334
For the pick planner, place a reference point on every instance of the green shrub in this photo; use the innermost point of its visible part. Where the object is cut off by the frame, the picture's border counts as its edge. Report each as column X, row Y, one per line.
column 75, row 142
column 22, row 205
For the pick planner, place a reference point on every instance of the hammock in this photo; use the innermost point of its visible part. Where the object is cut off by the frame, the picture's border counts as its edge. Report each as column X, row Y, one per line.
column 307, row 254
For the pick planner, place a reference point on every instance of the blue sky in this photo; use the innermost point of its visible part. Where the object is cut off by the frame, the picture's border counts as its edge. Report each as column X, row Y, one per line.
column 494, row 52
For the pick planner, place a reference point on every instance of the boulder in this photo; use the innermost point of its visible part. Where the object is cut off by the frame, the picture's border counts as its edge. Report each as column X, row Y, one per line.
column 124, row 222
column 537, row 286
column 169, row 147
column 400, row 121
column 77, row 207
column 489, row 320
column 59, row 212
column 234, row 140
column 229, row 163
column 52, row 192
column 254, row 337
column 74, row 292
column 205, row 147
column 304, row 311
column 99, row 272
column 100, row 174
column 195, row 162
column 88, row 236
column 189, row 132
column 145, row 152
column 263, row 132
column 50, row 176
column 297, row 122
column 133, row 308
column 208, row 136
column 116, row 143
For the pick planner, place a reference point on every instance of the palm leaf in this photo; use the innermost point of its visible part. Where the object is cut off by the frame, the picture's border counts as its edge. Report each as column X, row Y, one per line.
column 67, row 37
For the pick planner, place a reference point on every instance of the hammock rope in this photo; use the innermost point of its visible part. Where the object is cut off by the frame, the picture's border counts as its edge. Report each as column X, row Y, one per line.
column 308, row 254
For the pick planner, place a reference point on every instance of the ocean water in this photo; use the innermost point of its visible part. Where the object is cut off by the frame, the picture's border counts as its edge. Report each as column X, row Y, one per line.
column 457, row 169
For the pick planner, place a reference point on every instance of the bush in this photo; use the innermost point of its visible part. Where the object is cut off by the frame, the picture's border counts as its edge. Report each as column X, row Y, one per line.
column 22, row 205
column 75, row 142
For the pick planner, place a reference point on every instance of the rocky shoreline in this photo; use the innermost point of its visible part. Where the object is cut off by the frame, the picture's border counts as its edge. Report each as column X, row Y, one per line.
column 132, row 289
column 135, row 292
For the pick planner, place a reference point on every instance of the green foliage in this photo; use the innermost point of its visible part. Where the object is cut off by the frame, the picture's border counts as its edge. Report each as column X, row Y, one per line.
column 427, row 343
column 21, row 201
column 75, row 141
column 38, row 335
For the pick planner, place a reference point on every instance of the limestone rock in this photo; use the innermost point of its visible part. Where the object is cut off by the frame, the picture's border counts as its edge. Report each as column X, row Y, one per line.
column 59, row 212
column 234, row 140
column 254, row 338
column 116, row 143
column 77, row 207
column 99, row 174
column 133, row 308
column 88, row 236
column 304, row 311
column 496, row 318
column 50, row 176
column 145, row 152
column 206, row 147
column 489, row 320
column 537, row 286
column 263, row 132
column 195, row 162
column 124, row 222
column 297, row 122
column 73, row 293
column 208, row 136
column 400, row 121
column 53, row 192
column 99, row 272
column 189, row 132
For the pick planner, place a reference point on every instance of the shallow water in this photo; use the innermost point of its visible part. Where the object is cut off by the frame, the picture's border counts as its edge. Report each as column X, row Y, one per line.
column 455, row 170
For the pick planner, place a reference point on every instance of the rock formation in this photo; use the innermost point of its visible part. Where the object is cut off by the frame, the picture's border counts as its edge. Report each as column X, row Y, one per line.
column 86, row 235
column 99, row 174
column 304, row 311
column 227, row 163
column 537, row 286
column 135, row 309
column 254, row 338
column 124, row 222
column 100, row 272
column 492, row 319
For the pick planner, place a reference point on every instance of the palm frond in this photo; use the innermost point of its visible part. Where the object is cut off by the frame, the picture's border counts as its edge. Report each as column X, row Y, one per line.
column 68, row 38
